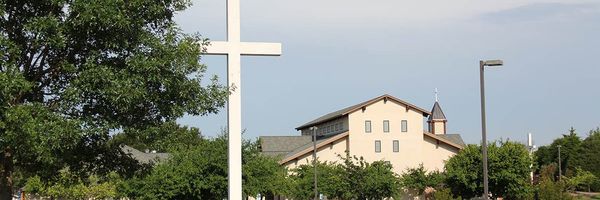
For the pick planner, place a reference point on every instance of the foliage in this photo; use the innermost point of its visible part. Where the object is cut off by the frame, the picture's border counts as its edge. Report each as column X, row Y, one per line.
column 69, row 186
column 166, row 137
column 588, row 158
column 261, row 174
column 509, row 171
column 72, row 72
column 444, row 194
column 418, row 179
column 575, row 153
column 200, row 172
column 550, row 189
column 570, row 148
column 582, row 180
column 353, row 179
column 196, row 173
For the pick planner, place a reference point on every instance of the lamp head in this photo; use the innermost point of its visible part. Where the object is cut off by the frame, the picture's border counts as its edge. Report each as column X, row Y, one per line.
column 493, row 63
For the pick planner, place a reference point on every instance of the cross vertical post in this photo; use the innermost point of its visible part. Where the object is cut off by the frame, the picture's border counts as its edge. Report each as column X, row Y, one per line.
column 234, row 49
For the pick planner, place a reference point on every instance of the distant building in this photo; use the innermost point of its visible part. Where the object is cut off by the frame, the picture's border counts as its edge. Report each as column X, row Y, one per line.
column 383, row 128
column 144, row 157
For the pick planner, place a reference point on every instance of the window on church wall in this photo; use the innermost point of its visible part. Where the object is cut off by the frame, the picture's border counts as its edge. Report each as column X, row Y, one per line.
column 377, row 146
column 368, row 126
column 404, row 126
column 386, row 126
column 396, row 146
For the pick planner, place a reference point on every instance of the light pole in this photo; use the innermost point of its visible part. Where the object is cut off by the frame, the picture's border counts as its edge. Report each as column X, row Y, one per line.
column 559, row 167
column 314, row 129
column 482, row 65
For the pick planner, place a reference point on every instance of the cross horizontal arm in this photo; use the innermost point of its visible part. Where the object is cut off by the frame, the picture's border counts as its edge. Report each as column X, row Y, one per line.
column 244, row 48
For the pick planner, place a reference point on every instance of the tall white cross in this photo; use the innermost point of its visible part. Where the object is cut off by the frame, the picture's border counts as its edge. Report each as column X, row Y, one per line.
column 234, row 49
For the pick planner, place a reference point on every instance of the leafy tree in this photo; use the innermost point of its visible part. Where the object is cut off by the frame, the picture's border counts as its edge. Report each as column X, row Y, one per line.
column 444, row 194
column 71, row 72
column 582, row 179
column 587, row 158
column 353, row 179
column 70, row 186
column 570, row 148
column 550, row 189
column 329, row 177
column 261, row 174
column 418, row 179
column 196, row 173
column 509, row 171
column 200, row 172
column 166, row 137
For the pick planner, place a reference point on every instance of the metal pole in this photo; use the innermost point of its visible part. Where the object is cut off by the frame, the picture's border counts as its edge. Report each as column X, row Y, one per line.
column 314, row 128
column 483, row 132
column 559, row 167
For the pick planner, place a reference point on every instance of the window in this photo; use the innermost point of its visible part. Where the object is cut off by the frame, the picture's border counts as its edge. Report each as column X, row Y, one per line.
column 404, row 126
column 386, row 126
column 396, row 146
column 367, row 126
column 377, row 146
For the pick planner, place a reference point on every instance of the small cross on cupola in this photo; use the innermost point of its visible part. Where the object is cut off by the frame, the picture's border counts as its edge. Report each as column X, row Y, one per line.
column 437, row 120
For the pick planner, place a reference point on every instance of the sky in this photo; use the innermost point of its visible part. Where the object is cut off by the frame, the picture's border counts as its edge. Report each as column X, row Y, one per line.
column 337, row 53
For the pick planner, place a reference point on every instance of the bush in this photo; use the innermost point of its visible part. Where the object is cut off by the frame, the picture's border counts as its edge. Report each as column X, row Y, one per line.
column 444, row 194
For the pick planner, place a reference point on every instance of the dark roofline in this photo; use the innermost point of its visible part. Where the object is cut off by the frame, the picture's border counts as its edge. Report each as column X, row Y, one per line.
column 348, row 110
column 444, row 140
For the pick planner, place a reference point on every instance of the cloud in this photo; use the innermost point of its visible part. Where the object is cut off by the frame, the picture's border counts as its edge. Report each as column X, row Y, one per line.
column 543, row 12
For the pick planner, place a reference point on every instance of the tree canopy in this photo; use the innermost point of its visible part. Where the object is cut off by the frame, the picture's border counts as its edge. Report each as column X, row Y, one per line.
column 509, row 171
column 73, row 72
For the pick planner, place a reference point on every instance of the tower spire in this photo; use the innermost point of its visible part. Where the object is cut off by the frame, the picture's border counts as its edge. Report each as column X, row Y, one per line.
column 436, row 95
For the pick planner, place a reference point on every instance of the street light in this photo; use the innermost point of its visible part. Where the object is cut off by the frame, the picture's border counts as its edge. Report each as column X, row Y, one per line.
column 314, row 129
column 482, row 65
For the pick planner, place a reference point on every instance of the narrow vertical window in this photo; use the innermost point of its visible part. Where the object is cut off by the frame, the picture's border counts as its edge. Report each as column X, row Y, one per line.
column 367, row 126
column 377, row 146
column 396, row 146
column 386, row 126
column 404, row 126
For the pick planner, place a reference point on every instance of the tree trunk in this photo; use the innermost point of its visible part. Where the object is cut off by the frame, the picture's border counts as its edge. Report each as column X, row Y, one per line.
column 6, row 181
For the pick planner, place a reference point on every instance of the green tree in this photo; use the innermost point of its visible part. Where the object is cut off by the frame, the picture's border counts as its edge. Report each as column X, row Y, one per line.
column 71, row 72
column 166, row 137
column 418, row 179
column 582, row 180
column 550, row 189
column 509, row 171
column 353, row 179
column 570, row 148
column 261, row 174
column 199, row 172
column 587, row 158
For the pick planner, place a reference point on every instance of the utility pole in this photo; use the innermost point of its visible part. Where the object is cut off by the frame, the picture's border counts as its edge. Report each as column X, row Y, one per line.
column 559, row 161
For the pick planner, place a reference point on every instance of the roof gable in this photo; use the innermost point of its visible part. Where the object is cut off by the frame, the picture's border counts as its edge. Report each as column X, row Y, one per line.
column 348, row 110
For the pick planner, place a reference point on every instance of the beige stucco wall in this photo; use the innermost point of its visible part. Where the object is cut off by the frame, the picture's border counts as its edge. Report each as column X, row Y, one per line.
column 363, row 144
column 327, row 152
column 436, row 153
column 439, row 127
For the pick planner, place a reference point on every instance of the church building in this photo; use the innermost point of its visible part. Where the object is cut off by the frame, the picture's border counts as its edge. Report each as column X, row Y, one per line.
column 383, row 128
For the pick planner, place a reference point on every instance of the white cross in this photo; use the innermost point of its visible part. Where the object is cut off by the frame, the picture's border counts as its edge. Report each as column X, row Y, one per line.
column 234, row 49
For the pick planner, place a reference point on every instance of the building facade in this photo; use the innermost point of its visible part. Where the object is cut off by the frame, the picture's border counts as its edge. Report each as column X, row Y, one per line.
column 383, row 128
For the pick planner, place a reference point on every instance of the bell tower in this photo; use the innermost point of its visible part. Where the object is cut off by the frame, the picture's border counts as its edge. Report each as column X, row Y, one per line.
column 437, row 120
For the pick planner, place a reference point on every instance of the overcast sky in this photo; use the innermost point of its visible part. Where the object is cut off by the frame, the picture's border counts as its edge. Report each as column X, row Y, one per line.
column 337, row 53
